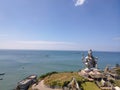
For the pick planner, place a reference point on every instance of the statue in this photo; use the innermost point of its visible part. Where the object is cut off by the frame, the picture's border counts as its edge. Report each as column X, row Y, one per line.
column 90, row 61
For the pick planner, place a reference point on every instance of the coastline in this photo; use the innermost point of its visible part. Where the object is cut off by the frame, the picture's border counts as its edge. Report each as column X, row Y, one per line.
column 63, row 79
column 12, row 63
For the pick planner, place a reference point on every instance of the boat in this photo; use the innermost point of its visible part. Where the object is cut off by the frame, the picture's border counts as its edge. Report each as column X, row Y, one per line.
column 1, row 78
column 27, row 82
column 2, row 73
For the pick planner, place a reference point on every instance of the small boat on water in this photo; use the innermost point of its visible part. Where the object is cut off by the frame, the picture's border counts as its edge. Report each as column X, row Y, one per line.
column 25, row 83
column 2, row 73
column 1, row 78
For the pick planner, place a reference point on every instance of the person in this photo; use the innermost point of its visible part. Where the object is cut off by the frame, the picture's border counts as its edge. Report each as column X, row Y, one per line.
column 90, row 61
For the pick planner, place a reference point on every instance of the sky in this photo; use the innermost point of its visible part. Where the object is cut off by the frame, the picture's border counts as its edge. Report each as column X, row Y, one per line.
column 60, row 24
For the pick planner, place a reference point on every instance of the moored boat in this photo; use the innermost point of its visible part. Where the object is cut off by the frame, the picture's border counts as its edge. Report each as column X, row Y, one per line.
column 2, row 73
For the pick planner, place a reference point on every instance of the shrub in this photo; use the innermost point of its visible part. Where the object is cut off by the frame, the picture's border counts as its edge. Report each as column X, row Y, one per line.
column 47, row 74
column 61, row 80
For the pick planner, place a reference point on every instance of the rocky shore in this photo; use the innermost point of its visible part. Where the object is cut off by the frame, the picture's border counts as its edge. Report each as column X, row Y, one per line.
column 85, row 80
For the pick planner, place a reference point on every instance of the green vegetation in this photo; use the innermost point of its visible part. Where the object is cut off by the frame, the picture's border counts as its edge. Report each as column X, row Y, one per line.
column 62, row 79
column 118, row 71
column 90, row 86
column 47, row 74
column 117, row 83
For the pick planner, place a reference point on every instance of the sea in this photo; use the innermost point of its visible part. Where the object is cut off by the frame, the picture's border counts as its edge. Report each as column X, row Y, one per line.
column 18, row 64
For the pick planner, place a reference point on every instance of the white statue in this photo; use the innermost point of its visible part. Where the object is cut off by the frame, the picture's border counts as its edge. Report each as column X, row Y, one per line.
column 90, row 61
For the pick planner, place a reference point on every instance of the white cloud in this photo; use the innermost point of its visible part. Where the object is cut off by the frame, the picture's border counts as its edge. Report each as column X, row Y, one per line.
column 43, row 42
column 3, row 35
column 38, row 45
column 116, row 38
column 56, row 45
column 79, row 2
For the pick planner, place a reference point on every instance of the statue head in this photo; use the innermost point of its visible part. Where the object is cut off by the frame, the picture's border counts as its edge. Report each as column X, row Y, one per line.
column 90, row 52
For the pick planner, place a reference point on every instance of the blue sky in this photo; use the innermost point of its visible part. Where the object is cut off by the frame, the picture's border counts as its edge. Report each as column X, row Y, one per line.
column 60, row 24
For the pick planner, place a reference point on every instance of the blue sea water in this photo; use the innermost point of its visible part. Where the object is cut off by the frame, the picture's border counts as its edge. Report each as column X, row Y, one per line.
column 18, row 64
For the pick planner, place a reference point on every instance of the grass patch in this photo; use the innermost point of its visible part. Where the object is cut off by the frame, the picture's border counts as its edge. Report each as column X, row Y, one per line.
column 117, row 83
column 61, row 79
column 47, row 74
column 118, row 71
column 90, row 86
